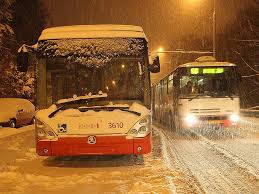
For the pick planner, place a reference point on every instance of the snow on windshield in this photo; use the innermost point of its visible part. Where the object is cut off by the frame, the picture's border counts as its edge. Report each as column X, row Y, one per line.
column 92, row 52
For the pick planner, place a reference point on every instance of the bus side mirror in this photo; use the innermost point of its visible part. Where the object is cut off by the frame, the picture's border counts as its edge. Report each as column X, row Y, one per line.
column 155, row 66
column 22, row 61
column 176, row 81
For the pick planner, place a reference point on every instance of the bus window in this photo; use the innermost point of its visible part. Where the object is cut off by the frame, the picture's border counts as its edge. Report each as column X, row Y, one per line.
column 170, row 84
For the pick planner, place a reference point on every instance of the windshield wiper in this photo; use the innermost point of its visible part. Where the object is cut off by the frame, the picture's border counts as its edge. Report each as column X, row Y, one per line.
column 63, row 106
column 55, row 112
column 81, row 98
column 130, row 111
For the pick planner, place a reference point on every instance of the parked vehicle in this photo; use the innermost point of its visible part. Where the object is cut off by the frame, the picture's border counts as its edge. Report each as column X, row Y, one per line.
column 16, row 112
column 109, row 82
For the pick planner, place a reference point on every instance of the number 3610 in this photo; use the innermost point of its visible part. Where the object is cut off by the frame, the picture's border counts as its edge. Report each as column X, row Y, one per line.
column 115, row 125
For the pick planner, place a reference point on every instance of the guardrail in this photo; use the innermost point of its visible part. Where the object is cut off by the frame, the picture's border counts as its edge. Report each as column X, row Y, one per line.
column 250, row 113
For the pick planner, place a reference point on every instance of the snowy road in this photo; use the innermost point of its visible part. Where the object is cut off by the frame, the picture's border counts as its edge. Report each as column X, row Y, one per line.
column 215, row 162
column 185, row 162
column 22, row 171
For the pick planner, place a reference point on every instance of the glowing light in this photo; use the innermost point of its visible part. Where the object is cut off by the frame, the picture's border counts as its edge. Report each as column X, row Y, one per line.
column 193, row 2
column 113, row 82
column 122, row 66
column 191, row 120
column 194, row 71
column 107, row 88
column 213, row 70
column 234, row 118
column 160, row 50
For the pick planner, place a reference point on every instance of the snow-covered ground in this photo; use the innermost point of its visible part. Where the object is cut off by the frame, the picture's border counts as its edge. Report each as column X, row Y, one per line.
column 6, row 131
column 185, row 162
column 22, row 171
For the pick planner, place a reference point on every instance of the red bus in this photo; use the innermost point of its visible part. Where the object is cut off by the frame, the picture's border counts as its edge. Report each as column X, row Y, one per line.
column 93, row 90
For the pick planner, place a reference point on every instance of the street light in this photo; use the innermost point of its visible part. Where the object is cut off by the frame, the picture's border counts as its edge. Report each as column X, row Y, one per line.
column 160, row 50
column 214, row 28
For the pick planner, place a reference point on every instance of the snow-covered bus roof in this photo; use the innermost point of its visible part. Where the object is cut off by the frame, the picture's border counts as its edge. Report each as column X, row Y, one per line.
column 207, row 64
column 92, row 31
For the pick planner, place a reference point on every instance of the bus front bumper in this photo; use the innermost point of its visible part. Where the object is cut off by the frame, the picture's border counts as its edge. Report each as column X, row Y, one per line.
column 214, row 124
column 105, row 145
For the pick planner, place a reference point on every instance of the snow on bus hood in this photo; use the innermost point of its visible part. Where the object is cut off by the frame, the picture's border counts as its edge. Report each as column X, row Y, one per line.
column 92, row 122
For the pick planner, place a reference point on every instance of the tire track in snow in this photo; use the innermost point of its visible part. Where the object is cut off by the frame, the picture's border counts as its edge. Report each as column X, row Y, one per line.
column 188, row 183
column 220, row 175
column 247, row 168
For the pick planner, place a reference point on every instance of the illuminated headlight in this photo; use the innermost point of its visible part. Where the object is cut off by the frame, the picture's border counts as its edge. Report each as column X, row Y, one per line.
column 44, row 131
column 191, row 120
column 234, row 118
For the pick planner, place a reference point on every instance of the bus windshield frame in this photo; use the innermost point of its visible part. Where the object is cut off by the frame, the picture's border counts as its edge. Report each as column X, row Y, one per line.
column 124, row 77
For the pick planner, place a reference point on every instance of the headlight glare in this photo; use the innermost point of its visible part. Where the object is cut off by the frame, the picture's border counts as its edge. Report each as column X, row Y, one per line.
column 191, row 120
column 234, row 118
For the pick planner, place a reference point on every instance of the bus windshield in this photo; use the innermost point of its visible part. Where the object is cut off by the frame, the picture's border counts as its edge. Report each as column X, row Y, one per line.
column 208, row 81
column 81, row 67
column 121, row 79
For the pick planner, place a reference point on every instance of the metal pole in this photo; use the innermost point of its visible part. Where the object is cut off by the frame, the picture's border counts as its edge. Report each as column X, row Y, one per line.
column 214, row 29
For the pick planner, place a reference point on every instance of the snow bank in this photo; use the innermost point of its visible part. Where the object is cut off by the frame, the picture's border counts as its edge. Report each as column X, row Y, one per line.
column 6, row 132
column 9, row 104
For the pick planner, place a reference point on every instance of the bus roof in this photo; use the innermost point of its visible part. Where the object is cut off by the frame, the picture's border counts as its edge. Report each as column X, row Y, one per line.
column 207, row 64
column 92, row 31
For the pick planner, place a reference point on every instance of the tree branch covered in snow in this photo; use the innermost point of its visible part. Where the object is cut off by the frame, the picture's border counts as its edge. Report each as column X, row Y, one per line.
column 92, row 52
column 6, row 33
column 16, row 84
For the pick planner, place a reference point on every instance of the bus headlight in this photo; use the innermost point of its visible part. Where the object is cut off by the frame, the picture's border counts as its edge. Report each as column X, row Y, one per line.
column 44, row 131
column 145, row 120
column 234, row 118
column 142, row 128
column 133, row 132
column 191, row 120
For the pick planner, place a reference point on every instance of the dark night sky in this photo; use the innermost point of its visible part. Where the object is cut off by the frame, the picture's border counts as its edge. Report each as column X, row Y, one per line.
column 162, row 20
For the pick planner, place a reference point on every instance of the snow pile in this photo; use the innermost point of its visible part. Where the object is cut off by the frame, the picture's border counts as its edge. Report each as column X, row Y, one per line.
column 91, row 52
column 139, row 108
column 86, row 97
column 6, row 132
